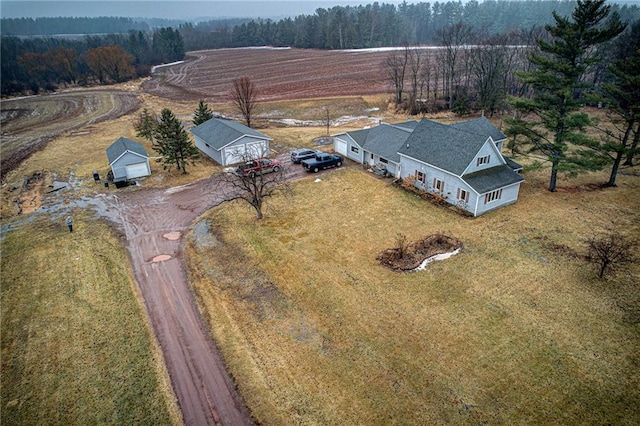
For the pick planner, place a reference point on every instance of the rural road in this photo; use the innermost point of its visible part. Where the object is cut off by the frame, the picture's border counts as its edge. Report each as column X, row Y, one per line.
column 154, row 222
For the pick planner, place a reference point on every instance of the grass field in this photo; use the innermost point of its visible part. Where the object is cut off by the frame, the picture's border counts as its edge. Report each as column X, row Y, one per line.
column 76, row 348
column 509, row 331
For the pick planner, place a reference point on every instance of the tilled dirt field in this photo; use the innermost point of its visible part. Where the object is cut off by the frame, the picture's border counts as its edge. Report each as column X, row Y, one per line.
column 277, row 73
column 29, row 123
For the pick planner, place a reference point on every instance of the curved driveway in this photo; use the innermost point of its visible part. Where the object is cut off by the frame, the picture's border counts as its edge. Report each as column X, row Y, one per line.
column 154, row 222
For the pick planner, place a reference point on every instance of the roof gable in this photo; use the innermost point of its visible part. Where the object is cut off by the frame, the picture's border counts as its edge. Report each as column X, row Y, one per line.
column 443, row 146
column 219, row 133
column 122, row 145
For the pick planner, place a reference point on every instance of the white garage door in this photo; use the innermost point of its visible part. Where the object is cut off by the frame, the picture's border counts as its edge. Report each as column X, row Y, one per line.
column 340, row 146
column 257, row 149
column 233, row 155
column 136, row 170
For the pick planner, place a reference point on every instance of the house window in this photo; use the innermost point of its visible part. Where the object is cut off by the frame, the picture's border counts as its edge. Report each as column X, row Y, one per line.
column 438, row 185
column 483, row 160
column 420, row 176
column 384, row 160
column 463, row 195
column 372, row 155
column 354, row 149
column 492, row 196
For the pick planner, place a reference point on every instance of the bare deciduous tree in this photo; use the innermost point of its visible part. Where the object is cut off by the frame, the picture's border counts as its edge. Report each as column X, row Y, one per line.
column 453, row 39
column 254, row 188
column 244, row 95
column 611, row 252
column 395, row 68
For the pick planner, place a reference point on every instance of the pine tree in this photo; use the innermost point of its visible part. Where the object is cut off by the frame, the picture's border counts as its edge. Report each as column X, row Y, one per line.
column 202, row 113
column 556, row 123
column 622, row 94
column 145, row 124
column 172, row 142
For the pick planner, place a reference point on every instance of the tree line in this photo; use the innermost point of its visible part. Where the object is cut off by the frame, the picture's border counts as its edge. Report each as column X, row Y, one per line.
column 30, row 65
column 69, row 25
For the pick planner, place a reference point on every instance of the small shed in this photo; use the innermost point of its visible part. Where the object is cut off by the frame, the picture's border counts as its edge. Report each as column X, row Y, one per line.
column 228, row 142
column 128, row 160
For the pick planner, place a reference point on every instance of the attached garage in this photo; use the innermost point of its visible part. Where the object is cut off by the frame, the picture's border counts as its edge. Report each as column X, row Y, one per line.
column 128, row 160
column 340, row 146
column 228, row 142
column 351, row 144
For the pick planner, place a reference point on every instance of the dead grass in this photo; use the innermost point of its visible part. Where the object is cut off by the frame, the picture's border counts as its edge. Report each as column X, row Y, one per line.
column 76, row 348
column 315, row 331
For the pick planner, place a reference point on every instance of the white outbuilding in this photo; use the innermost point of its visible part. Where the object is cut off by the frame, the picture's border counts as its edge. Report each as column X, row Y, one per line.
column 228, row 142
column 128, row 160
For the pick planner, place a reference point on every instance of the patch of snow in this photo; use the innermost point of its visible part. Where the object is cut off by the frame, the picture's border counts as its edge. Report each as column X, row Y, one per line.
column 442, row 256
column 155, row 67
column 318, row 180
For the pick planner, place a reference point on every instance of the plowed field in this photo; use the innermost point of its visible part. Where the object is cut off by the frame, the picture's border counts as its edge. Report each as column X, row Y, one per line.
column 277, row 73
column 29, row 123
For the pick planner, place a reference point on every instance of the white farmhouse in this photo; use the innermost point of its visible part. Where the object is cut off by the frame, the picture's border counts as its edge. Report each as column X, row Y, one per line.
column 460, row 162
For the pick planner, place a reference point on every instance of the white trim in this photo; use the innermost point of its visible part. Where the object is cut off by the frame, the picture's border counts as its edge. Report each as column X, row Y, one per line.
column 267, row 138
column 132, row 152
column 489, row 141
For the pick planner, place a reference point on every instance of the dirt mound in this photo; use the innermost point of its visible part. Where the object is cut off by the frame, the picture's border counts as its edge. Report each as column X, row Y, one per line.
column 407, row 257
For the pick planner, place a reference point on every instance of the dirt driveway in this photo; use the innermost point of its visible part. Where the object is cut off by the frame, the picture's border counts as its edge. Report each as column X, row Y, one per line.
column 154, row 222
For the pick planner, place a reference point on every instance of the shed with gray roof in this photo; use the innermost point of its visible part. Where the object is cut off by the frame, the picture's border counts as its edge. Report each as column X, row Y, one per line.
column 228, row 142
column 128, row 160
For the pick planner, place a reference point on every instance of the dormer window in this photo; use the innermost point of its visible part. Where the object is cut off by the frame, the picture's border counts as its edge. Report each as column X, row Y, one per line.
column 483, row 160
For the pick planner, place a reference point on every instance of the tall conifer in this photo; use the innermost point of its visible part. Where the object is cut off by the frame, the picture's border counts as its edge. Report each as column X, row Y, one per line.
column 552, row 121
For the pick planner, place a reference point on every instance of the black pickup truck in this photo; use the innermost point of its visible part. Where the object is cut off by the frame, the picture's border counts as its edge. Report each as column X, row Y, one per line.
column 322, row 161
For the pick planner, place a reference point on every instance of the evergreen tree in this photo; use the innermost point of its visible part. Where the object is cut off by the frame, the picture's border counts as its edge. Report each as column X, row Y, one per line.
column 555, row 127
column 145, row 124
column 172, row 142
column 202, row 113
column 622, row 94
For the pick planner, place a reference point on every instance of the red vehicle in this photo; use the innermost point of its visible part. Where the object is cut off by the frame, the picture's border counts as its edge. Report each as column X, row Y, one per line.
column 258, row 166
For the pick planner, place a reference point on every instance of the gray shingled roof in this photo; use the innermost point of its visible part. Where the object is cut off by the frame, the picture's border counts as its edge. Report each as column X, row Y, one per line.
column 443, row 146
column 481, row 126
column 385, row 140
column 491, row 179
column 219, row 133
column 360, row 136
column 122, row 145
column 514, row 166
column 409, row 125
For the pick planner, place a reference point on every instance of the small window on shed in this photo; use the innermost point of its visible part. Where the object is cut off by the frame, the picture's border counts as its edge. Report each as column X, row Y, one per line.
column 384, row 160
column 354, row 149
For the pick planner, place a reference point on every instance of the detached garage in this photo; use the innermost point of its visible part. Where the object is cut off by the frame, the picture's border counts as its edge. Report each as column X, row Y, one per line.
column 228, row 142
column 128, row 160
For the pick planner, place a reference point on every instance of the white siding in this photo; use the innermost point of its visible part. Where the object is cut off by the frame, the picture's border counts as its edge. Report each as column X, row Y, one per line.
column 237, row 152
column 488, row 151
column 119, row 167
column 509, row 195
